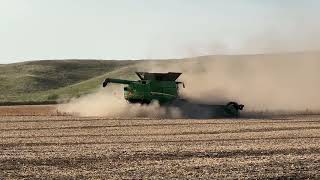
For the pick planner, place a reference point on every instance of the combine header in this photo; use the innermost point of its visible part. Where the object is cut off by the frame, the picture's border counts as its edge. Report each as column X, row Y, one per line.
column 164, row 88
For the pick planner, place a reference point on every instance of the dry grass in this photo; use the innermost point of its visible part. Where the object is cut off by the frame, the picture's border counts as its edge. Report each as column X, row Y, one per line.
column 36, row 143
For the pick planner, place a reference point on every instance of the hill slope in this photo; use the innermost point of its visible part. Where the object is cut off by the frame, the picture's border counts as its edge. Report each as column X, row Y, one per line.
column 21, row 81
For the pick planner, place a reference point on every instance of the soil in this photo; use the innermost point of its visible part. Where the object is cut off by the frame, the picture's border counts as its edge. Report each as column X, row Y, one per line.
column 39, row 142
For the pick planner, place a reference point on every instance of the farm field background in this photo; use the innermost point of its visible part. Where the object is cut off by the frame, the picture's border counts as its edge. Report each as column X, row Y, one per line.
column 38, row 142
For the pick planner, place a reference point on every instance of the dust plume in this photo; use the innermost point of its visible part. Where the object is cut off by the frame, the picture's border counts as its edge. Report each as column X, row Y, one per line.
column 109, row 102
column 278, row 82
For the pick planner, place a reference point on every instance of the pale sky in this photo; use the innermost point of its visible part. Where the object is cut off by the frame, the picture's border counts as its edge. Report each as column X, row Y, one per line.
column 143, row 29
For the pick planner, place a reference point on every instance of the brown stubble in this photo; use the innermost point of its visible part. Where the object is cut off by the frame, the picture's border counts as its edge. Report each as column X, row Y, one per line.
column 109, row 148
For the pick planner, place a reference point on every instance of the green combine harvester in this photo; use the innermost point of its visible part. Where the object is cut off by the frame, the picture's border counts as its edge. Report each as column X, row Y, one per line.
column 164, row 88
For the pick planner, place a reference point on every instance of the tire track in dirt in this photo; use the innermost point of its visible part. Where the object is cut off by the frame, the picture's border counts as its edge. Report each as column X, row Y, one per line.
column 104, row 126
column 213, row 154
column 157, row 125
column 140, row 135
column 6, row 145
column 157, row 156
column 238, row 121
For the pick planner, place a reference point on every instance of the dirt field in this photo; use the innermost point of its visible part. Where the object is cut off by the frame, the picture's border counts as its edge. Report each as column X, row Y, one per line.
column 36, row 142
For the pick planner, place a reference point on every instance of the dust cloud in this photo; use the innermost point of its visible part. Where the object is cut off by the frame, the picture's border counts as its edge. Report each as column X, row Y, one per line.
column 109, row 102
column 279, row 82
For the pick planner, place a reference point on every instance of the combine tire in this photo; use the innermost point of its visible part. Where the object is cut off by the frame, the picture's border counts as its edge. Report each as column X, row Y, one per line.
column 235, row 105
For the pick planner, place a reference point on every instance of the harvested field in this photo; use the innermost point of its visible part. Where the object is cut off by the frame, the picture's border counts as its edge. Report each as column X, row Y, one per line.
column 28, row 110
column 38, row 142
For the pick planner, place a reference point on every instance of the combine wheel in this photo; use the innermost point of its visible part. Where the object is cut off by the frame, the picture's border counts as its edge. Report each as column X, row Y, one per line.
column 235, row 105
column 232, row 109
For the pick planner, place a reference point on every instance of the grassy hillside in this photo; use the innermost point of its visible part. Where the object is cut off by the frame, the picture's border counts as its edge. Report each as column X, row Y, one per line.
column 77, row 89
column 37, row 80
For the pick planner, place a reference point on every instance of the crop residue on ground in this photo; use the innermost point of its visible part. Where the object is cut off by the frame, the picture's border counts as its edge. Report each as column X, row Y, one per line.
column 54, row 146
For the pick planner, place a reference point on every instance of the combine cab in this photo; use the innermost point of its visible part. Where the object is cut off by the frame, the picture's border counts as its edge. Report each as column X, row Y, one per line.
column 164, row 88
